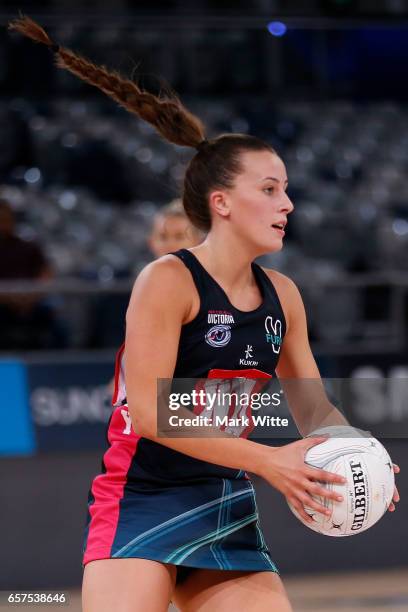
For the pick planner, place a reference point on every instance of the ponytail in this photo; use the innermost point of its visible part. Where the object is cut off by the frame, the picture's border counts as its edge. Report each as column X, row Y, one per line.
column 165, row 113
column 217, row 161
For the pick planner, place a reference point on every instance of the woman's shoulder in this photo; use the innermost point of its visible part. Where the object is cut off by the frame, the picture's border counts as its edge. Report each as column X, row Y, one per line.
column 164, row 283
column 166, row 269
column 287, row 290
column 281, row 282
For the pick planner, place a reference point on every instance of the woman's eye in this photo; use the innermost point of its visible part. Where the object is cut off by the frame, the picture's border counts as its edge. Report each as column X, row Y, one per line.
column 268, row 189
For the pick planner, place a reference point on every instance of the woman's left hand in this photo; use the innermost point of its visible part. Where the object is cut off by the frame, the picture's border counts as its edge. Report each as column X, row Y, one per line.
column 395, row 497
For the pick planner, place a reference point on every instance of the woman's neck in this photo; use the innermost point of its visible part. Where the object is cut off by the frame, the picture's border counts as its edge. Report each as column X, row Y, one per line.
column 227, row 261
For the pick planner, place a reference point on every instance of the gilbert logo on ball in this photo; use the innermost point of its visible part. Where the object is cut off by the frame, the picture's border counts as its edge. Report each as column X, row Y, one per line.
column 368, row 492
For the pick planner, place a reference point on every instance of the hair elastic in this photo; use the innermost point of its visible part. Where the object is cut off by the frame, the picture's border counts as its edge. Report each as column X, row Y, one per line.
column 202, row 144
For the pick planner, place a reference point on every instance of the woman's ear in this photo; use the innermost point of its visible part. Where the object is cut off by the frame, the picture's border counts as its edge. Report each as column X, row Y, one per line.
column 219, row 204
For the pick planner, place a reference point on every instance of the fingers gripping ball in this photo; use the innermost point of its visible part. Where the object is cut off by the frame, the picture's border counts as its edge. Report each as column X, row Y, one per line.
column 368, row 492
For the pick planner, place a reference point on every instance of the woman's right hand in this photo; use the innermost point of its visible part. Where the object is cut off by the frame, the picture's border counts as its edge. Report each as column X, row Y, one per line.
column 286, row 470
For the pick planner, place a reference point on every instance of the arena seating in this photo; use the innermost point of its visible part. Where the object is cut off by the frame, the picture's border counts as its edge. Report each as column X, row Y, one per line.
column 85, row 179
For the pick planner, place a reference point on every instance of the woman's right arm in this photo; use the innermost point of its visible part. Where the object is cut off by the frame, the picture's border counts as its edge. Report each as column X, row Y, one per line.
column 160, row 303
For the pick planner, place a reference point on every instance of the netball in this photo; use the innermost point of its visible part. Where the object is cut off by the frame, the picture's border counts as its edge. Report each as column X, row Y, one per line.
column 366, row 465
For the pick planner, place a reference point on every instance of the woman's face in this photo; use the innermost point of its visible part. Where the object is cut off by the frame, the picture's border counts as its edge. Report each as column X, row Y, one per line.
column 258, row 202
column 170, row 233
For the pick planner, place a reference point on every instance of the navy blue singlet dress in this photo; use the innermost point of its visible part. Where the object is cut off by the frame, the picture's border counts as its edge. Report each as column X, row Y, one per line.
column 156, row 503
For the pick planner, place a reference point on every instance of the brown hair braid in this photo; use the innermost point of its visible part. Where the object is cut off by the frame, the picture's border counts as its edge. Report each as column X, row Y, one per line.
column 167, row 114
column 217, row 162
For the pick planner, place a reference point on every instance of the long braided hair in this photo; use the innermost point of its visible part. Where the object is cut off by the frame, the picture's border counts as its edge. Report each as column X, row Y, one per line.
column 217, row 161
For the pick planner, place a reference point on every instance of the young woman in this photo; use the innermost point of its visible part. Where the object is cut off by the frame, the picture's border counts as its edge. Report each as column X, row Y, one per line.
column 176, row 518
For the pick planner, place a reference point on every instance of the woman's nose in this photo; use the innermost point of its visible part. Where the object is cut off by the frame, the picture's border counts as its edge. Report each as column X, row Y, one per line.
column 287, row 204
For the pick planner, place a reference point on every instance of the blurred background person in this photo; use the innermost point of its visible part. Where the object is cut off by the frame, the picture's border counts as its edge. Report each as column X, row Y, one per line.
column 172, row 230
column 27, row 321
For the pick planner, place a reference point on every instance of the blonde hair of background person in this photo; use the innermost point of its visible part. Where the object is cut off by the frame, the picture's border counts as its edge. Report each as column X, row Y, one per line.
column 235, row 190
column 172, row 230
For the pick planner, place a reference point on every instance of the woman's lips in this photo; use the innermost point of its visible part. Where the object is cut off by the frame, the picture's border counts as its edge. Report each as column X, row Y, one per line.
column 281, row 232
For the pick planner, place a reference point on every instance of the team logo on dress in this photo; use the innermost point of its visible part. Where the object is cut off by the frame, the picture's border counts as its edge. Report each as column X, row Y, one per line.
column 274, row 333
column 218, row 335
column 248, row 361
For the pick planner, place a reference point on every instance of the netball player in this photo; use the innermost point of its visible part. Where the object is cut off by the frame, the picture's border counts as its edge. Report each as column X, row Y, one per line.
column 176, row 518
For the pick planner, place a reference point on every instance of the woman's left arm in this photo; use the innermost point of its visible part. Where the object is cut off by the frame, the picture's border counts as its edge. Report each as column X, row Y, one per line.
column 298, row 372
column 297, row 369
